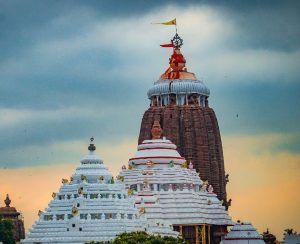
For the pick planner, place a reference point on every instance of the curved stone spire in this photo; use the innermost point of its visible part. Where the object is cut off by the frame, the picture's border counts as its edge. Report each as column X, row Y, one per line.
column 156, row 130
column 180, row 102
column 7, row 201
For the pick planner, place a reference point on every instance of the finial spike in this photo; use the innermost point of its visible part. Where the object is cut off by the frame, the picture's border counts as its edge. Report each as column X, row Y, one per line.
column 7, row 200
column 177, row 41
column 92, row 147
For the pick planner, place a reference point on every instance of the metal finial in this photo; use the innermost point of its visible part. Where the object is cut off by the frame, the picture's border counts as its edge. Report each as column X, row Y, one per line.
column 177, row 41
column 92, row 147
column 7, row 201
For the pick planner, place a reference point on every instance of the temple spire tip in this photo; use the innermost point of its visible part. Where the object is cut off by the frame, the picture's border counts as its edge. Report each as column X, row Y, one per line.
column 7, row 200
column 92, row 147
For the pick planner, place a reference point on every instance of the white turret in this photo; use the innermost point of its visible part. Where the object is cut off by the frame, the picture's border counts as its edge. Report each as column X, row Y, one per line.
column 243, row 233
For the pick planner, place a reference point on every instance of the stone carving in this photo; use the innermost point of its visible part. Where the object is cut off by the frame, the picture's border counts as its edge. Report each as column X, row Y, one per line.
column 226, row 178
column 64, row 181
column 156, row 130
column 227, row 204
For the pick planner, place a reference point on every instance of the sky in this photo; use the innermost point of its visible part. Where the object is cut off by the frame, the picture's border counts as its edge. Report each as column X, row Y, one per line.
column 70, row 70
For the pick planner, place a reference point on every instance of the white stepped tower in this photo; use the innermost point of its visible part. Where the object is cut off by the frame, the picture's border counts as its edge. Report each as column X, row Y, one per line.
column 243, row 233
column 167, row 188
column 92, row 206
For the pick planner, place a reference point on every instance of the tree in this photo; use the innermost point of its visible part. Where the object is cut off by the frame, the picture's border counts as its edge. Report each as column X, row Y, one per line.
column 6, row 231
column 269, row 238
column 141, row 237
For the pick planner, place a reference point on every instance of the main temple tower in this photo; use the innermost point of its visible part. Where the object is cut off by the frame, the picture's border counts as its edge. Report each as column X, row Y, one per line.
column 179, row 101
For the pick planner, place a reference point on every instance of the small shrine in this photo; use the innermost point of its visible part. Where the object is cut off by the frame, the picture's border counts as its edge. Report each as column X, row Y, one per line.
column 243, row 233
column 10, row 213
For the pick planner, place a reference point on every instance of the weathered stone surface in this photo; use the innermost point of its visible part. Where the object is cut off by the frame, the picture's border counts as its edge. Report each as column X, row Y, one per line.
column 195, row 131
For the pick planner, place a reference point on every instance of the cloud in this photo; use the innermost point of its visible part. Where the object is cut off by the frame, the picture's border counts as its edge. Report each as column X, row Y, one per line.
column 82, row 70
column 257, row 108
column 32, row 137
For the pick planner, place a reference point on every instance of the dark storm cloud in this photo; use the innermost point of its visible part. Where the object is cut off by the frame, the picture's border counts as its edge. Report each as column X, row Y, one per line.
column 64, row 76
column 258, row 108
column 266, row 24
column 47, row 127
column 28, row 141
column 270, row 27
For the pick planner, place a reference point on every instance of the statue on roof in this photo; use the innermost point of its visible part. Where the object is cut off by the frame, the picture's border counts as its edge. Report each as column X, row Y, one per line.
column 226, row 178
column 156, row 130
column 227, row 204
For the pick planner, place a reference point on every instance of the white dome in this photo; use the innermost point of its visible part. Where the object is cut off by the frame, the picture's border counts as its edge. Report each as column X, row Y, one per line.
column 159, row 151
column 92, row 168
column 178, row 86
column 91, row 158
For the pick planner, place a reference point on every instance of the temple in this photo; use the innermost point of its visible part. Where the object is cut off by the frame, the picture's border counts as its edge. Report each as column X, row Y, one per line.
column 10, row 213
column 243, row 233
column 291, row 238
column 167, row 187
column 91, row 206
column 179, row 101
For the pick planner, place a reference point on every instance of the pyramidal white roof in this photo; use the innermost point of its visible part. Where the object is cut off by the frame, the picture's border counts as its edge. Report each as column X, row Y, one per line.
column 293, row 238
column 243, row 233
column 181, row 196
column 91, row 206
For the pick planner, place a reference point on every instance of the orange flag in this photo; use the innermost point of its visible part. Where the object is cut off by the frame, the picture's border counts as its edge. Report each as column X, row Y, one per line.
column 171, row 22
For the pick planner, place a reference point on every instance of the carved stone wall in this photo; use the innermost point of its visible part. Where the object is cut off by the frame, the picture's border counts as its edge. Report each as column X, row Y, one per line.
column 196, row 133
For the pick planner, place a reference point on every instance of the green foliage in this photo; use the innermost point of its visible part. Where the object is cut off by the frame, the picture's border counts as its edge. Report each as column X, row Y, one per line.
column 6, row 231
column 141, row 237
